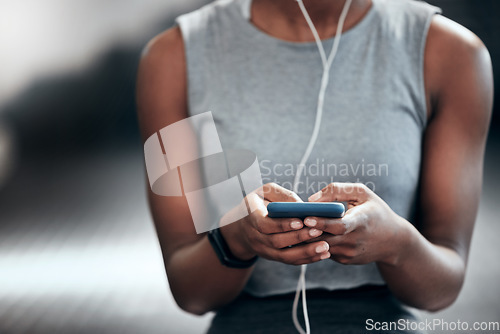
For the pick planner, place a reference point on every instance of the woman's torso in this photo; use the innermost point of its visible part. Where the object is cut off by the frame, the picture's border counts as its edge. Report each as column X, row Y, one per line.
column 263, row 93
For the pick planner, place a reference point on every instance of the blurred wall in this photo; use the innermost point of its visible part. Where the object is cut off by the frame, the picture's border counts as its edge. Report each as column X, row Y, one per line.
column 69, row 67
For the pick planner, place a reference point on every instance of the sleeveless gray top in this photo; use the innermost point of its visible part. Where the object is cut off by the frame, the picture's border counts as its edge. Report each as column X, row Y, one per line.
column 263, row 91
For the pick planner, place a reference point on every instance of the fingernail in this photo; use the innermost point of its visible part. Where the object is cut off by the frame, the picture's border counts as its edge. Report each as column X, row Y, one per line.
column 310, row 222
column 315, row 197
column 322, row 248
column 325, row 256
column 296, row 225
column 314, row 232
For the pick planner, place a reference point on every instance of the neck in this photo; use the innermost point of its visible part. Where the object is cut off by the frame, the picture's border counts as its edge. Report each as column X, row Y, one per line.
column 284, row 20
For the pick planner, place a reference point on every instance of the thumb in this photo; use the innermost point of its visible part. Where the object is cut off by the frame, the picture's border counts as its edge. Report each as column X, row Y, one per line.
column 275, row 193
column 341, row 192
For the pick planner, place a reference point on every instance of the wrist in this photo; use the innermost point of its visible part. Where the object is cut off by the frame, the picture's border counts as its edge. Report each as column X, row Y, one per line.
column 233, row 237
column 403, row 241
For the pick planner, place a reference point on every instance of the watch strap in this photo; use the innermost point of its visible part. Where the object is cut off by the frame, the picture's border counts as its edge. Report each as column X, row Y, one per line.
column 224, row 254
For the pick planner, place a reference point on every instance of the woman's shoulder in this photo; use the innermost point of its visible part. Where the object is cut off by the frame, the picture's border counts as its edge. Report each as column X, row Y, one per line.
column 454, row 53
column 161, row 80
column 453, row 37
column 164, row 45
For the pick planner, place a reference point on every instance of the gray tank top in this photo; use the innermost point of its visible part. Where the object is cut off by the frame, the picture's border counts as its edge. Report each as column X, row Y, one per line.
column 262, row 92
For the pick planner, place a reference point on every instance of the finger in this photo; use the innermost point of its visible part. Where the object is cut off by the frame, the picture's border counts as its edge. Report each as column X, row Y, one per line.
column 276, row 193
column 334, row 226
column 282, row 240
column 340, row 245
column 301, row 254
column 266, row 225
column 323, row 236
column 313, row 259
column 343, row 248
column 341, row 192
column 257, row 204
column 344, row 251
column 353, row 218
column 336, row 241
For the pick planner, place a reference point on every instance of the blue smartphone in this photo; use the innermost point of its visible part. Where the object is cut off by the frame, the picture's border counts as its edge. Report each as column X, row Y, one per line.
column 305, row 209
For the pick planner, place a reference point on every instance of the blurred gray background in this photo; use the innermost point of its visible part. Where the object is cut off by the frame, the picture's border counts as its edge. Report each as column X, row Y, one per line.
column 78, row 251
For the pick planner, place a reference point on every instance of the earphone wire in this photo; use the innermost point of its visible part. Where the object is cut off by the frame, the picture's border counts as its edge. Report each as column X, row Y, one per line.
column 327, row 63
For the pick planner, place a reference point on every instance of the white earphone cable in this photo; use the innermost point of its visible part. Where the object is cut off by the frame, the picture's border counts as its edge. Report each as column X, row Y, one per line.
column 327, row 63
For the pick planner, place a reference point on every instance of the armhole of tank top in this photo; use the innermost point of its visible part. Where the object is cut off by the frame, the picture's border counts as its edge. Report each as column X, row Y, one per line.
column 246, row 6
column 421, row 63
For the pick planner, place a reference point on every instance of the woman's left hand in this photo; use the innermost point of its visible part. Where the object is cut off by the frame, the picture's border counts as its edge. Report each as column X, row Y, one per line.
column 369, row 231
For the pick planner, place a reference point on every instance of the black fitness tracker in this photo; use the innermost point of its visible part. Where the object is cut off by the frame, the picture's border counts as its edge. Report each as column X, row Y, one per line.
column 224, row 253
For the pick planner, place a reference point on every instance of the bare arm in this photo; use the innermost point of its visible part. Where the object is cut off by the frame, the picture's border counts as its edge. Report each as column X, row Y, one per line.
column 425, row 268
column 461, row 86
column 199, row 282
column 161, row 98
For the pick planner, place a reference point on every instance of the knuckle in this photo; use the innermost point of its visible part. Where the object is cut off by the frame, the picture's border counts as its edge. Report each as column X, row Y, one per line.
column 267, row 188
column 362, row 187
column 366, row 220
column 275, row 241
column 261, row 227
column 350, row 253
column 344, row 228
column 302, row 236
column 320, row 223
column 339, row 228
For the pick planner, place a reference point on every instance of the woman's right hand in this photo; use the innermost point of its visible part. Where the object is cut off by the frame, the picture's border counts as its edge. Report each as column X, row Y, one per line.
column 270, row 238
